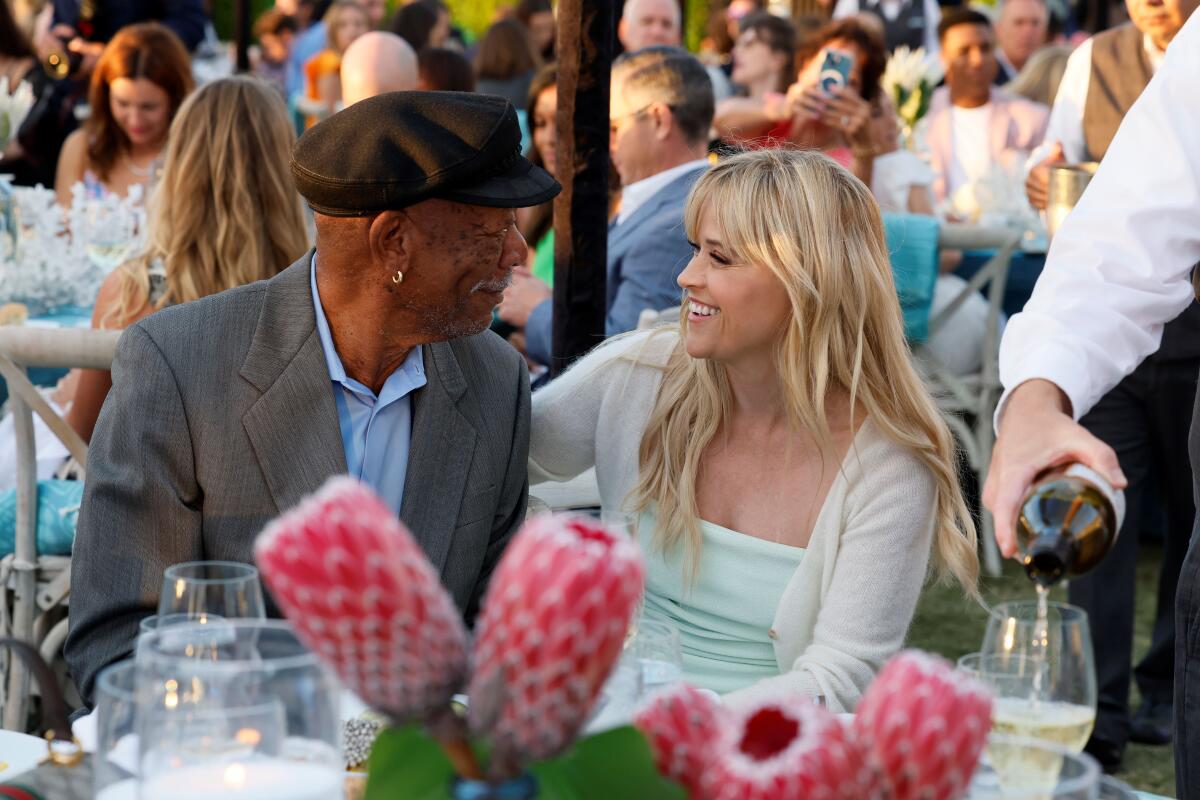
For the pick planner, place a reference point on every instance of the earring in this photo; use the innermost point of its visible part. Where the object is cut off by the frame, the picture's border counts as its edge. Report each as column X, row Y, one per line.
column 398, row 277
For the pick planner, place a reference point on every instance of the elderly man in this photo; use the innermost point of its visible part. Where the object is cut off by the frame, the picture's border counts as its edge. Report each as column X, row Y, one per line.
column 369, row 355
column 659, row 23
column 1145, row 418
column 376, row 63
column 1021, row 30
column 660, row 113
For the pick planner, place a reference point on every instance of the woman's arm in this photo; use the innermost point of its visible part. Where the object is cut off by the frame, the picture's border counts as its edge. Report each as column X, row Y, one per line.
column 329, row 90
column 745, row 117
column 92, row 385
column 920, row 200
column 567, row 412
column 72, row 162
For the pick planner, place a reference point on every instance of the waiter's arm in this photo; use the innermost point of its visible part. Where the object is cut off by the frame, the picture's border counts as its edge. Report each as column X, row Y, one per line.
column 1119, row 270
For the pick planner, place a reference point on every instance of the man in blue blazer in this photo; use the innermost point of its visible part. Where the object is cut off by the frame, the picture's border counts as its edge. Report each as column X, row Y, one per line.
column 659, row 116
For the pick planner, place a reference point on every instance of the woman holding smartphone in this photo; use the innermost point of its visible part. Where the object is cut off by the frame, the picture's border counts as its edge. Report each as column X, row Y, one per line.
column 828, row 106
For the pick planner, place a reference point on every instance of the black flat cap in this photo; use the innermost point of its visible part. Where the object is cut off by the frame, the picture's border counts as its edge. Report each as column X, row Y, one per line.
column 393, row 150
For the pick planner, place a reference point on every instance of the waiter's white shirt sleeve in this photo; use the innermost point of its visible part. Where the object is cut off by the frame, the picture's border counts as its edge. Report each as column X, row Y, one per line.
column 1120, row 267
column 1066, row 117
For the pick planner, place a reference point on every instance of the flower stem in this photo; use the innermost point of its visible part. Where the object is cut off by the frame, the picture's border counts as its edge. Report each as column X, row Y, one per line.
column 450, row 731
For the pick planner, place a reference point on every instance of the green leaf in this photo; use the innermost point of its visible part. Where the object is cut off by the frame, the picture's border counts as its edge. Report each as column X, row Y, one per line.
column 613, row 764
column 407, row 763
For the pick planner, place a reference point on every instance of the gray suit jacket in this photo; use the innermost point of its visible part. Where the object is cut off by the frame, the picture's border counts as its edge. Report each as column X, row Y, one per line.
column 222, row 415
column 646, row 253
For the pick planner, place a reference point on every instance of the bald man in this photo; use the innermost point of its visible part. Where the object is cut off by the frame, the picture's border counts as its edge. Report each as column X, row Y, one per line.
column 377, row 62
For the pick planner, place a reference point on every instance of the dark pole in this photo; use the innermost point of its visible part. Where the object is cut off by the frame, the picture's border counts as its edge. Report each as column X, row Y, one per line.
column 241, row 33
column 585, row 42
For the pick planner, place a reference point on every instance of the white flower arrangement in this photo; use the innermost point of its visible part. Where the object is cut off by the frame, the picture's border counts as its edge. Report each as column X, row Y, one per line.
column 14, row 108
column 909, row 79
column 59, row 257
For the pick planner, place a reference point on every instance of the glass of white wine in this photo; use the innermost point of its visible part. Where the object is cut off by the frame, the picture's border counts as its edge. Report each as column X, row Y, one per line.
column 1020, row 768
column 1055, row 654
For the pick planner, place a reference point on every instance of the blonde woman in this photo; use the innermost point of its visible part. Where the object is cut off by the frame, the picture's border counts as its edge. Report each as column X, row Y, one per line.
column 789, row 474
column 226, row 213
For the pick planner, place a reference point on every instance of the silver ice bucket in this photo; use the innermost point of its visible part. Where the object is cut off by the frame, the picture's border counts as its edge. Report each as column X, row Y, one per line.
column 1067, row 182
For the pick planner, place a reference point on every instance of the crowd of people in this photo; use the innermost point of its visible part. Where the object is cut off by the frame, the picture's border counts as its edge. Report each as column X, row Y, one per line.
column 368, row 257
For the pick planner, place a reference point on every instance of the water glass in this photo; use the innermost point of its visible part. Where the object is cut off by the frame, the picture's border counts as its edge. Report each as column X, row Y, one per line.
column 236, row 709
column 655, row 648
column 156, row 621
column 114, row 771
column 1019, row 768
column 225, row 589
column 1064, row 707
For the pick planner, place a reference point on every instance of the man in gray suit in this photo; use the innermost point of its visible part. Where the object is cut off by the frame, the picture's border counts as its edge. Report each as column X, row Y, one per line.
column 369, row 355
column 660, row 112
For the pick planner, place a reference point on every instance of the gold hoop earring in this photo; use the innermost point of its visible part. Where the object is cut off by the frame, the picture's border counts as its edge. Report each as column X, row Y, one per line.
column 398, row 277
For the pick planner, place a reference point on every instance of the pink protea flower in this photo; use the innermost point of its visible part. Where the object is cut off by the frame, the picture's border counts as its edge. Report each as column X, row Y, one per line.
column 553, row 624
column 786, row 747
column 924, row 726
column 363, row 596
column 682, row 724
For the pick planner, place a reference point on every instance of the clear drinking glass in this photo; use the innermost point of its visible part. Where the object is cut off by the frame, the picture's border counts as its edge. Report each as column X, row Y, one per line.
column 656, row 650
column 236, row 709
column 225, row 589
column 114, row 770
column 1021, row 768
column 156, row 621
column 1062, row 703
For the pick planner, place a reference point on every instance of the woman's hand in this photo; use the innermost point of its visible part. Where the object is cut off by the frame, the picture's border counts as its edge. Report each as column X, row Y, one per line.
column 848, row 113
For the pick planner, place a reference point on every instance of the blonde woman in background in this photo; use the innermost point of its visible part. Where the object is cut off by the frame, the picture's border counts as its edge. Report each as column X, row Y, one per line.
column 226, row 213
column 789, row 472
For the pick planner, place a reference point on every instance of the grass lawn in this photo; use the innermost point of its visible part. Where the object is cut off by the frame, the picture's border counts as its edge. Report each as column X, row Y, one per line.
column 948, row 624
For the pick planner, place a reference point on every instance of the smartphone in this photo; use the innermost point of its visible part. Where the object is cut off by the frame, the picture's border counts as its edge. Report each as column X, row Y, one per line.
column 836, row 69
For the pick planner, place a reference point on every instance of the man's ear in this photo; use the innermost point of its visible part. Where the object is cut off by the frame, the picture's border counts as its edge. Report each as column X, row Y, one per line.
column 664, row 121
column 390, row 238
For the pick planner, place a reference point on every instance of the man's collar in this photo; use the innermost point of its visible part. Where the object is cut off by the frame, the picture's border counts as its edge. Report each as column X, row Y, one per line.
column 637, row 193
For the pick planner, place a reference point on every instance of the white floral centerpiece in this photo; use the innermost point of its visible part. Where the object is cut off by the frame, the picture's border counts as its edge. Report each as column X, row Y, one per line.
column 909, row 79
column 14, row 108
column 59, row 257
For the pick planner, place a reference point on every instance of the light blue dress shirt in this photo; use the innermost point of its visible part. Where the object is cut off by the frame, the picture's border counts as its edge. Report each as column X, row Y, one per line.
column 376, row 430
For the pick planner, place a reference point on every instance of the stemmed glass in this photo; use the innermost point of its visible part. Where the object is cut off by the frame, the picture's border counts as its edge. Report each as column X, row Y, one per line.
column 1021, row 768
column 1061, row 706
column 199, row 589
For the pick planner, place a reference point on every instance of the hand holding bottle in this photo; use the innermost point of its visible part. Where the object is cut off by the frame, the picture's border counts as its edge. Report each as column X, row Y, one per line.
column 1037, row 432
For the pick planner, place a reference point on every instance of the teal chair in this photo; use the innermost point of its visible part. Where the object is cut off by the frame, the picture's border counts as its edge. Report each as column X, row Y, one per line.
column 912, row 242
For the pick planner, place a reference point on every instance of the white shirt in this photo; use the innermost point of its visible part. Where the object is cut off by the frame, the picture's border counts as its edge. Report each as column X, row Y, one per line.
column 1119, row 269
column 1066, row 118
column 638, row 192
column 891, row 9
column 892, row 177
column 972, row 159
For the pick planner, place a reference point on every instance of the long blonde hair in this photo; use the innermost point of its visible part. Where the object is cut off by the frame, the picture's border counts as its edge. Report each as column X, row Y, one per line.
column 818, row 230
column 226, row 212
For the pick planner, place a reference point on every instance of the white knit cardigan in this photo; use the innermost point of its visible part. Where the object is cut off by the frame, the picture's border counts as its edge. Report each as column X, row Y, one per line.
column 848, row 606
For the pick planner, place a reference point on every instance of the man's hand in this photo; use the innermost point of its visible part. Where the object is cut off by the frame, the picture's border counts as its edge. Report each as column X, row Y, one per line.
column 53, row 40
column 524, row 294
column 1037, row 432
column 90, row 53
column 1037, row 185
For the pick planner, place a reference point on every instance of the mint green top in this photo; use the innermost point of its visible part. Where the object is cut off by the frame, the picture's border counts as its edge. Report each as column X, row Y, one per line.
column 725, row 615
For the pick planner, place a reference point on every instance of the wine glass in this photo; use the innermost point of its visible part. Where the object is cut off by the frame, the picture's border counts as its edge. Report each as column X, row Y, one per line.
column 1063, row 707
column 236, row 709
column 1020, row 768
column 114, row 773
column 224, row 589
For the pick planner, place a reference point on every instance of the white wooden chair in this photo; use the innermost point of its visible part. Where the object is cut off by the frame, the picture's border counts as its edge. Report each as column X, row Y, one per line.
column 969, row 401
column 35, row 588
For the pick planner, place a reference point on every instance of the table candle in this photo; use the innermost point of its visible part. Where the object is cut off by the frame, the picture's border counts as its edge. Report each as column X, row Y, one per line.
column 264, row 779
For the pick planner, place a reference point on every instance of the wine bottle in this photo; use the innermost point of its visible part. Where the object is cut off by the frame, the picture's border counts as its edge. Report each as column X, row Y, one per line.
column 1067, row 523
